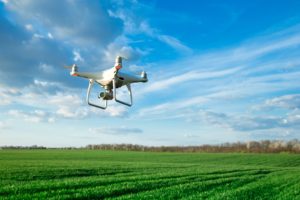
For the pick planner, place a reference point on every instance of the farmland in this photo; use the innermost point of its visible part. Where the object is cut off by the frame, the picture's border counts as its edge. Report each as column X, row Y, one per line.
column 91, row 174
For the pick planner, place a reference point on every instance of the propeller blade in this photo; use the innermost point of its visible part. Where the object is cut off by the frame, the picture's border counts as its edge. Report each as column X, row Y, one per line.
column 69, row 67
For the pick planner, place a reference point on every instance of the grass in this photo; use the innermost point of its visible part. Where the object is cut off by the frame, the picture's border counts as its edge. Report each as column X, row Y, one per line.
column 89, row 174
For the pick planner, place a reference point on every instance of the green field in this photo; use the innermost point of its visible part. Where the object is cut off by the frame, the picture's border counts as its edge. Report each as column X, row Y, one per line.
column 91, row 174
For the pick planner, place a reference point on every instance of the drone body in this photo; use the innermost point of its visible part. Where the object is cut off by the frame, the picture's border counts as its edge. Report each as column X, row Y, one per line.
column 110, row 80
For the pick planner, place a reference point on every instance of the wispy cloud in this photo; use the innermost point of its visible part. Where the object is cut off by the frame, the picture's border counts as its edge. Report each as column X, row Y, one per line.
column 133, row 25
column 116, row 131
column 4, row 125
column 291, row 101
column 61, row 17
column 188, row 76
column 4, row 1
column 45, row 101
column 248, row 87
column 242, row 122
column 35, row 116
column 167, row 108
column 7, row 95
column 248, row 75
column 175, row 43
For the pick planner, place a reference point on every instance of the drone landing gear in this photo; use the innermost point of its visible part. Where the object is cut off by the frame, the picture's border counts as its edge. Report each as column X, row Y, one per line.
column 91, row 83
column 107, row 95
column 115, row 94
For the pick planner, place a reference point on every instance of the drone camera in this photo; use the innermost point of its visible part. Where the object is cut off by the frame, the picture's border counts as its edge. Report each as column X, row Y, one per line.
column 106, row 95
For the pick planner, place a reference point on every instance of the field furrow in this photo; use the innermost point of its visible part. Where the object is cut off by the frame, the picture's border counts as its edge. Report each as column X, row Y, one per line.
column 64, row 174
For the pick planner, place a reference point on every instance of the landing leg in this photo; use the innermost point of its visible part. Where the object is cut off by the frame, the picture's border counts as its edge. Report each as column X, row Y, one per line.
column 91, row 83
column 115, row 94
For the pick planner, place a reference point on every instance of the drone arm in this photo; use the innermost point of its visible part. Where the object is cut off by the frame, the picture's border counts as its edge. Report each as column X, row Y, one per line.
column 91, row 83
column 115, row 94
column 87, row 75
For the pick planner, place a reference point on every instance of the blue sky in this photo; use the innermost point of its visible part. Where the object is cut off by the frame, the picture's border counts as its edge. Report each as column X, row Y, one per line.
column 219, row 71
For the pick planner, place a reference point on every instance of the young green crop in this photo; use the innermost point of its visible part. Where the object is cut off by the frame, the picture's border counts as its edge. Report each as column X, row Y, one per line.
column 91, row 174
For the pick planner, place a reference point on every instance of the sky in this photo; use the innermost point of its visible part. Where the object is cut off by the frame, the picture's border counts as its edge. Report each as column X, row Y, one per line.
column 219, row 71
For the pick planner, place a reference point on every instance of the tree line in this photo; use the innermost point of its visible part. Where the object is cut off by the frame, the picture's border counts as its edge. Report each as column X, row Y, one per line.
column 264, row 146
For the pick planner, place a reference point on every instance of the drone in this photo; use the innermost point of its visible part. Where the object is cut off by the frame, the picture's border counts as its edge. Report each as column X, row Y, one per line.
column 109, row 80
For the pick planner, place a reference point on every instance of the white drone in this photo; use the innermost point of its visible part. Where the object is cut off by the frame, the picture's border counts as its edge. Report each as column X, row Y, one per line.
column 110, row 80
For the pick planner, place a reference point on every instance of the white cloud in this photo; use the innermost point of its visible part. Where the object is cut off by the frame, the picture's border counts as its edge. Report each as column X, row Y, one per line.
column 27, row 56
column 61, row 18
column 8, row 95
column 4, row 125
column 64, row 99
column 188, row 135
column 252, row 122
column 50, row 35
column 185, row 77
column 41, row 36
column 50, row 108
column 134, row 25
column 39, row 83
column 167, row 108
column 35, row 116
column 256, row 50
column 291, row 101
column 116, row 131
column 243, row 122
column 77, row 56
column 175, row 43
column 117, row 111
column 60, row 103
column 121, row 48
column 29, row 27
column 69, row 112
column 238, row 74
column 46, row 68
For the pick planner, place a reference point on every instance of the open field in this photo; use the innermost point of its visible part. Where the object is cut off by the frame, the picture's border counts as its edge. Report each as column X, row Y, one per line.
column 90, row 174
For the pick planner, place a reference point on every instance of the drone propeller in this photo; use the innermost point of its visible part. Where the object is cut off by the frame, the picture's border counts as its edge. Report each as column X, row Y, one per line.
column 118, row 63
column 73, row 68
column 70, row 67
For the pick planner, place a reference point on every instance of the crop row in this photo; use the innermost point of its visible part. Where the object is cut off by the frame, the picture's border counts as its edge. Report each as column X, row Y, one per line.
column 101, row 187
